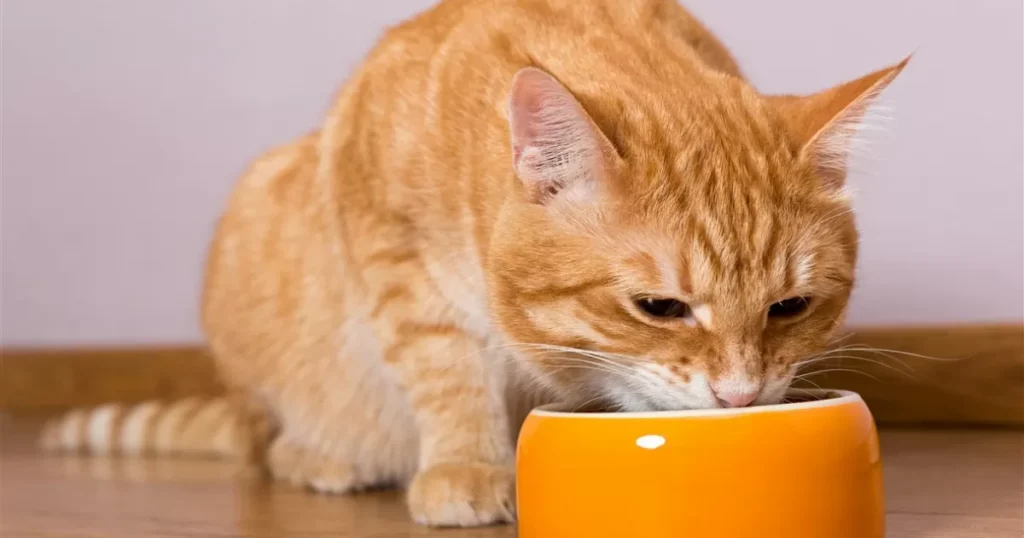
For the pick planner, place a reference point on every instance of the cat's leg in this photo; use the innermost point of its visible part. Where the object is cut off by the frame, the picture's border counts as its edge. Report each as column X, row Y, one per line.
column 457, row 394
column 323, row 413
column 344, row 422
column 466, row 474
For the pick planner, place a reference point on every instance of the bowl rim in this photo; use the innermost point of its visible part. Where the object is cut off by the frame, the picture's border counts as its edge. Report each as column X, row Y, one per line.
column 828, row 398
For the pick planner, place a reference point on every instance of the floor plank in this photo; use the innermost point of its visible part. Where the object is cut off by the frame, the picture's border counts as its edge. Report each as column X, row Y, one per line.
column 940, row 484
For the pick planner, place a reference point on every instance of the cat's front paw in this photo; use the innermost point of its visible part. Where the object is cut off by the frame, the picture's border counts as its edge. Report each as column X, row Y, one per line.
column 463, row 495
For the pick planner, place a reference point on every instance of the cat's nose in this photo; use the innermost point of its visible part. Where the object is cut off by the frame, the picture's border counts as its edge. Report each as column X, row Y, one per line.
column 735, row 398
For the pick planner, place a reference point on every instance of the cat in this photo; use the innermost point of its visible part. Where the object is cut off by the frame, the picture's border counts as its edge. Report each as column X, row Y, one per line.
column 513, row 202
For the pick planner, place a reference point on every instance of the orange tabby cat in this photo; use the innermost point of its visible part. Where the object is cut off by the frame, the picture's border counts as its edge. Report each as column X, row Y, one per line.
column 513, row 201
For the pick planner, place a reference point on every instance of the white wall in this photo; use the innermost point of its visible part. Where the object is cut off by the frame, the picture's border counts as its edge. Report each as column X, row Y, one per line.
column 125, row 123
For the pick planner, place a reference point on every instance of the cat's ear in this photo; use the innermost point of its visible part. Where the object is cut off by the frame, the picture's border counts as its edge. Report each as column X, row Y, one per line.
column 557, row 149
column 826, row 122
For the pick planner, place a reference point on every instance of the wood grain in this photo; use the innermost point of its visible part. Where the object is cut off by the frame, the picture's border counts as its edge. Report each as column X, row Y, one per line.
column 952, row 375
column 939, row 484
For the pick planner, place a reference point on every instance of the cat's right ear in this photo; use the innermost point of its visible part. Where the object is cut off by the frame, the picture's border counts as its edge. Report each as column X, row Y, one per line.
column 557, row 150
column 826, row 123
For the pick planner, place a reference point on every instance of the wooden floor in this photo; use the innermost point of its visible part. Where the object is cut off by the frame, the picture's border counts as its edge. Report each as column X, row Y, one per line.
column 940, row 484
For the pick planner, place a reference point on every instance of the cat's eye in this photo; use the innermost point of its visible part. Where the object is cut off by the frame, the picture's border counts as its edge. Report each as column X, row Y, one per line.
column 788, row 308
column 663, row 308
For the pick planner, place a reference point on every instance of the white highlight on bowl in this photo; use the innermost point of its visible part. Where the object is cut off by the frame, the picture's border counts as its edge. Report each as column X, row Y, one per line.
column 650, row 442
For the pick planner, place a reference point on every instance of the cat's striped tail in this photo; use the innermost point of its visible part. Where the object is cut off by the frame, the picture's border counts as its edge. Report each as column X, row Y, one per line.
column 189, row 427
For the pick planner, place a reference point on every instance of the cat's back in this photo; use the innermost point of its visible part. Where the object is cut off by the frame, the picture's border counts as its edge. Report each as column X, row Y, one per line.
column 276, row 228
column 544, row 23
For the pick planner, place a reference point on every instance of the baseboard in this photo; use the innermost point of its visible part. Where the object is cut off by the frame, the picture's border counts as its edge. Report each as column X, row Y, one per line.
column 957, row 375
column 49, row 380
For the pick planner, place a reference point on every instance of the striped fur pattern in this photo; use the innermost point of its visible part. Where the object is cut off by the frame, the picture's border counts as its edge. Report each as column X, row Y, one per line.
column 192, row 426
column 476, row 225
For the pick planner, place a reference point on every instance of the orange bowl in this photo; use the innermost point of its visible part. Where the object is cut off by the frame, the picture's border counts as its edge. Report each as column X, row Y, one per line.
column 798, row 470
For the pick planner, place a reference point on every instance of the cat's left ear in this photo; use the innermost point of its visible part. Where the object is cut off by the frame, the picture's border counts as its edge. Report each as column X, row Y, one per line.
column 825, row 123
column 557, row 150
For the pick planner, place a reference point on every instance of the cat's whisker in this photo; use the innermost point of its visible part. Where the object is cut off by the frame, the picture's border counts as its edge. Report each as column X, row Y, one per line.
column 804, row 377
column 870, row 349
column 585, row 365
column 597, row 356
column 595, row 361
column 502, row 347
column 894, row 360
column 594, row 353
column 840, row 358
column 846, row 336
column 613, row 368
column 893, row 356
column 847, row 350
column 797, row 378
column 787, row 399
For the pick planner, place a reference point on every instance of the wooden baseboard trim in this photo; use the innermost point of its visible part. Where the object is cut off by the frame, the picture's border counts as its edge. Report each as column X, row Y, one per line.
column 50, row 380
column 976, row 377
column 956, row 375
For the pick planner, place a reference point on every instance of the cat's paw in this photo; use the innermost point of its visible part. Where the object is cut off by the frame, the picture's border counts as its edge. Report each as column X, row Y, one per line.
column 463, row 495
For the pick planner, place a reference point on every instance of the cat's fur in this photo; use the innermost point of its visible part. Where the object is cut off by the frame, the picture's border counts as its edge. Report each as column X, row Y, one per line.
column 502, row 173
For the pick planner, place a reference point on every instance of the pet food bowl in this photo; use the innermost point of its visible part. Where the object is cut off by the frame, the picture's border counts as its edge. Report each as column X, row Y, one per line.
column 809, row 469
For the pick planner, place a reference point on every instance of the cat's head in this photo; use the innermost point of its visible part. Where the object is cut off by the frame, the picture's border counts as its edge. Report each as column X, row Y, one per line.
column 690, row 254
